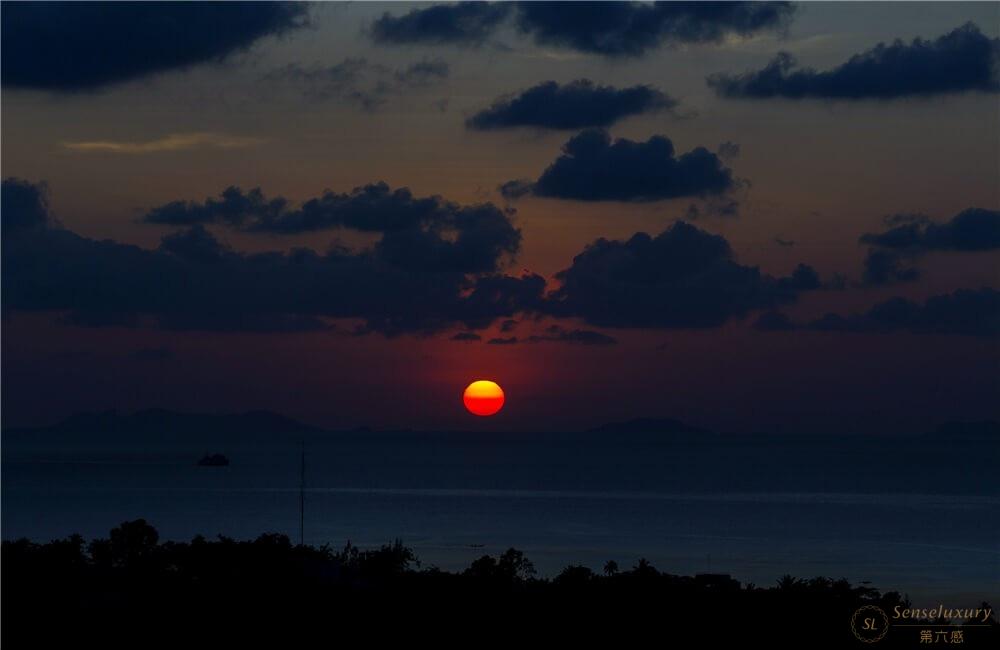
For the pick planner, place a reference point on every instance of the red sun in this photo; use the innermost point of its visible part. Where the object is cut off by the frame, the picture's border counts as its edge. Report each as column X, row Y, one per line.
column 483, row 397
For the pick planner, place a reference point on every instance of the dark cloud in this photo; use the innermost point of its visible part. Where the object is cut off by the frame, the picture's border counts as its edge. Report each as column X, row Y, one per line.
column 964, row 312
column 80, row 46
column 773, row 321
column 423, row 233
column 369, row 86
column 479, row 239
column 508, row 325
column 423, row 73
column 963, row 60
column 974, row 229
column 502, row 295
column 195, row 244
column 723, row 206
column 575, row 105
column 900, row 218
column 623, row 29
column 517, row 188
column 910, row 236
column 682, row 278
column 614, row 29
column 886, row 267
column 784, row 243
column 468, row 23
column 803, row 278
column 192, row 281
column 728, row 150
column 595, row 168
column 558, row 334
column 232, row 208
column 466, row 336
column 25, row 206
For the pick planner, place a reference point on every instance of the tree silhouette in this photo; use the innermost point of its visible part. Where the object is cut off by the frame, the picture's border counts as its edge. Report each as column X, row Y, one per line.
column 133, row 541
column 514, row 565
column 133, row 579
column 643, row 569
column 574, row 576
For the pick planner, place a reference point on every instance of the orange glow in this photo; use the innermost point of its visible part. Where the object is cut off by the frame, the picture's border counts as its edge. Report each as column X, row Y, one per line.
column 483, row 397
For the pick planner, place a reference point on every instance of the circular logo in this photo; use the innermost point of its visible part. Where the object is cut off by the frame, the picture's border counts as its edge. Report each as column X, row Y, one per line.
column 869, row 624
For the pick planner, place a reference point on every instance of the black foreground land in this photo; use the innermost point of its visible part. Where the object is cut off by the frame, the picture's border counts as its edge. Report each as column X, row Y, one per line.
column 131, row 590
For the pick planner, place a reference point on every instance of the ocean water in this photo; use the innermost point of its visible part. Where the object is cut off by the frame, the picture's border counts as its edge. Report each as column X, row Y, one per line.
column 914, row 515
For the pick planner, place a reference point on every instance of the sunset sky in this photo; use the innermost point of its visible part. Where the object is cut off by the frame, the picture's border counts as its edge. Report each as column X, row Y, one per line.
column 759, row 217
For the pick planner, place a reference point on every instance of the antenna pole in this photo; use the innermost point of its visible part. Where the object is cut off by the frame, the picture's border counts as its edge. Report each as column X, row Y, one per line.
column 302, row 497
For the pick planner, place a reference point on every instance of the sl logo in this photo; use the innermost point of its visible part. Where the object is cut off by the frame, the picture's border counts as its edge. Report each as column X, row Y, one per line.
column 869, row 624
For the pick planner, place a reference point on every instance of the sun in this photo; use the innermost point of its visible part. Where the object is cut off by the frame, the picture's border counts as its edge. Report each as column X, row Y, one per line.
column 483, row 397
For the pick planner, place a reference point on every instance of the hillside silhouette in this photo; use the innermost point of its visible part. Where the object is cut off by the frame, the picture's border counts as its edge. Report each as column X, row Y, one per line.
column 159, row 421
column 651, row 425
column 155, row 420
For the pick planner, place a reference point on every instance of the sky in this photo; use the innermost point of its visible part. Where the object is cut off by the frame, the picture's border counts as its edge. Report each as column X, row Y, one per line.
column 750, row 217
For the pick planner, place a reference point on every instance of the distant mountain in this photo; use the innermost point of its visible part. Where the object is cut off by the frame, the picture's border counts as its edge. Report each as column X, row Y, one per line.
column 653, row 426
column 983, row 430
column 162, row 421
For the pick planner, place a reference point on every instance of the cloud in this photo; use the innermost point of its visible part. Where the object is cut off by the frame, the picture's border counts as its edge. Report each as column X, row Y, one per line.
column 592, row 167
column 423, row 73
column 974, row 229
column 558, row 334
column 910, row 236
column 193, row 281
column 195, row 244
column 171, row 142
column 886, row 267
column 25, row 206
column 467, row 23
column 83, row 46
column 964, row 312
column 803, row 278
column 517, row 188
column 356, row 81
column 682, row 278
column 773, row 321
column 508, row 325
column 962, row 60
column 728, row 150
column 423, row 233
column 233, row 208
column 627, row 29
column 613, row 29
column 495, row 294
column 724, row 207
column 574, row 105
column 554, row 334
column 466, row 336
column 784, row 243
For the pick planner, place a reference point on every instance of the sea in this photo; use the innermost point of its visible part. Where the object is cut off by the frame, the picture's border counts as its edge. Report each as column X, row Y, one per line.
column 917, row 515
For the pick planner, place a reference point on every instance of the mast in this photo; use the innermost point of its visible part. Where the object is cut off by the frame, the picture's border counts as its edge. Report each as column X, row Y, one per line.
column 302, row 497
